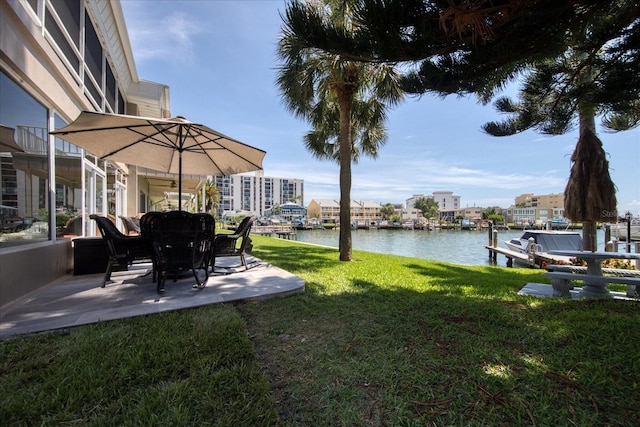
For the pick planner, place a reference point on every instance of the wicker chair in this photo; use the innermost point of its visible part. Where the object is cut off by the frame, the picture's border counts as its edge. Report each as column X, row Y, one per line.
column 123, row 250
column 236, row 244
column 181, row 242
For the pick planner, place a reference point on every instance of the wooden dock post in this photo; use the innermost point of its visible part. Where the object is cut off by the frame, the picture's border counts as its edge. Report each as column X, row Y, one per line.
column 493, row 243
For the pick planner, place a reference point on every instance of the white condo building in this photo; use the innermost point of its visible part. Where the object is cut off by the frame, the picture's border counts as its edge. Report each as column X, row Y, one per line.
column 448, row 202
column 257, row 193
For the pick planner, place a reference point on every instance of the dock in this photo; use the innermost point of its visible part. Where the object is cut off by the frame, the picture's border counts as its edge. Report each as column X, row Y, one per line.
column 534, row 260
column 282, row 232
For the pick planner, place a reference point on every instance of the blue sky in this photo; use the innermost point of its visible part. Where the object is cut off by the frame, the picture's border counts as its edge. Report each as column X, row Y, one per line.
column 219, row 59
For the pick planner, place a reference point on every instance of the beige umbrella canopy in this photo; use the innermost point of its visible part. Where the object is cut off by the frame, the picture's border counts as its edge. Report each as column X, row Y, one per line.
column 168, row 145
column 7, row 140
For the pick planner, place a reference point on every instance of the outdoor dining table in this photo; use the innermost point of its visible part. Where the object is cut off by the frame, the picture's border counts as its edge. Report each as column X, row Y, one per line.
column 181, row 242
column 595, row 288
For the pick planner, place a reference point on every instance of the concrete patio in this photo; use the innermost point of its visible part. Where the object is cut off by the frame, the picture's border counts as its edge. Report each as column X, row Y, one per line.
column 80, row 300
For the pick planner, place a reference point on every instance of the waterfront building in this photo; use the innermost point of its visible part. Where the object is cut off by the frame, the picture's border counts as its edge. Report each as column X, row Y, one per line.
column 256, row 193
column 532, row 216
column 448, row 203
column 289, row 212
column 411, row 214
column 324, row 210
column 535, row 210
column 57, row 59
column 471, row 213
column 328, row 210
column 549, row 201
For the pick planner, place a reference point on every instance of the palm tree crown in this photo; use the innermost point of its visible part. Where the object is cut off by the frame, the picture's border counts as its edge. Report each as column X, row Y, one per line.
column 344, row 101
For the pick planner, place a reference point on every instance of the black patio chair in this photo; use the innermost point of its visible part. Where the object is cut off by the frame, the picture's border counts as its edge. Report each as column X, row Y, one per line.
column 236, row 244
column 181, row 242
column 123, row 250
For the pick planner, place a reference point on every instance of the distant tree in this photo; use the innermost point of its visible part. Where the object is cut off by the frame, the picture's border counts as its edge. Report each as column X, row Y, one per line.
column 486, row 212
column 276, row 209
column 344, row 101
column 497, row 219
column 296, row 199
column 387, row 210
column 428, row 206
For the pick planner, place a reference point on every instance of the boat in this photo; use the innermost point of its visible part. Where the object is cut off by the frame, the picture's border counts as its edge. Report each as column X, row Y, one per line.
column 301, row 225
column 560, row 223
column 619, row 231
column 545, row 241
column 328, row 224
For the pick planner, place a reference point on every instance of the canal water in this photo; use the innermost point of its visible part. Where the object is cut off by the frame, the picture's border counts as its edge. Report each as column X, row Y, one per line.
column 456, row 246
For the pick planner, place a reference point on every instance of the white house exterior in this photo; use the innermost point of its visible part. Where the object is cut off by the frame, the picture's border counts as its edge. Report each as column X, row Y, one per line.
column 448, row 203
column 58, row 58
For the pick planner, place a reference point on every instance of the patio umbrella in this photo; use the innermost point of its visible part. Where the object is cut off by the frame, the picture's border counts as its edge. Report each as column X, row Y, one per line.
column 169, row 145
column 7, row 140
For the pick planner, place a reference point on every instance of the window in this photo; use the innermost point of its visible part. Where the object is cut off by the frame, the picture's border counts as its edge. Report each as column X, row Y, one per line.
column 92, row 50
column 110, row 90
column 24, row 170
column 68, row 203
column 58, row 35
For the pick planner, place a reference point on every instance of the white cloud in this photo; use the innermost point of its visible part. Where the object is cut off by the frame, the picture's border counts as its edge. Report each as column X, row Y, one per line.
column 167, row 38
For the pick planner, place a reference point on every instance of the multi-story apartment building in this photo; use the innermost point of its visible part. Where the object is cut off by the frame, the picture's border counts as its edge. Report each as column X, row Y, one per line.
column 531, row 209
column 549, row 201
column 257, row 193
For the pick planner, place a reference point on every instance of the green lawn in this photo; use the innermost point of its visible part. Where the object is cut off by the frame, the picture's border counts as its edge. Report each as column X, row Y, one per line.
column 382, row 340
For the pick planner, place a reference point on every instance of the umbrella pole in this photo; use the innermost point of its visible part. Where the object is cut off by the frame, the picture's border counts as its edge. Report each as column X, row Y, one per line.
column 180, row 180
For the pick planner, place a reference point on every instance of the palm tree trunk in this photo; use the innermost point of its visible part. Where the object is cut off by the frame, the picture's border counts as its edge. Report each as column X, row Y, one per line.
column 589, row 228
column 345, row 99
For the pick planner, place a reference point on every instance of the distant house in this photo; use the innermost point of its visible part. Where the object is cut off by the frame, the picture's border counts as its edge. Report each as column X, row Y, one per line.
column 324, row 210
column 412, row 214
column 448, row 203
column 289, row 211
column 329, row 210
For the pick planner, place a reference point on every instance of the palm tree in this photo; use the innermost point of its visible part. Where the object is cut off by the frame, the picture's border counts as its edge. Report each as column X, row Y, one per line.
column 211, row 196
column 344, row 101
column 387, row 210
column 555, row 96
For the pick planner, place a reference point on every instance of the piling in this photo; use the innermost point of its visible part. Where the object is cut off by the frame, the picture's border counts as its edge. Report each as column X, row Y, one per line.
column 493, row 242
